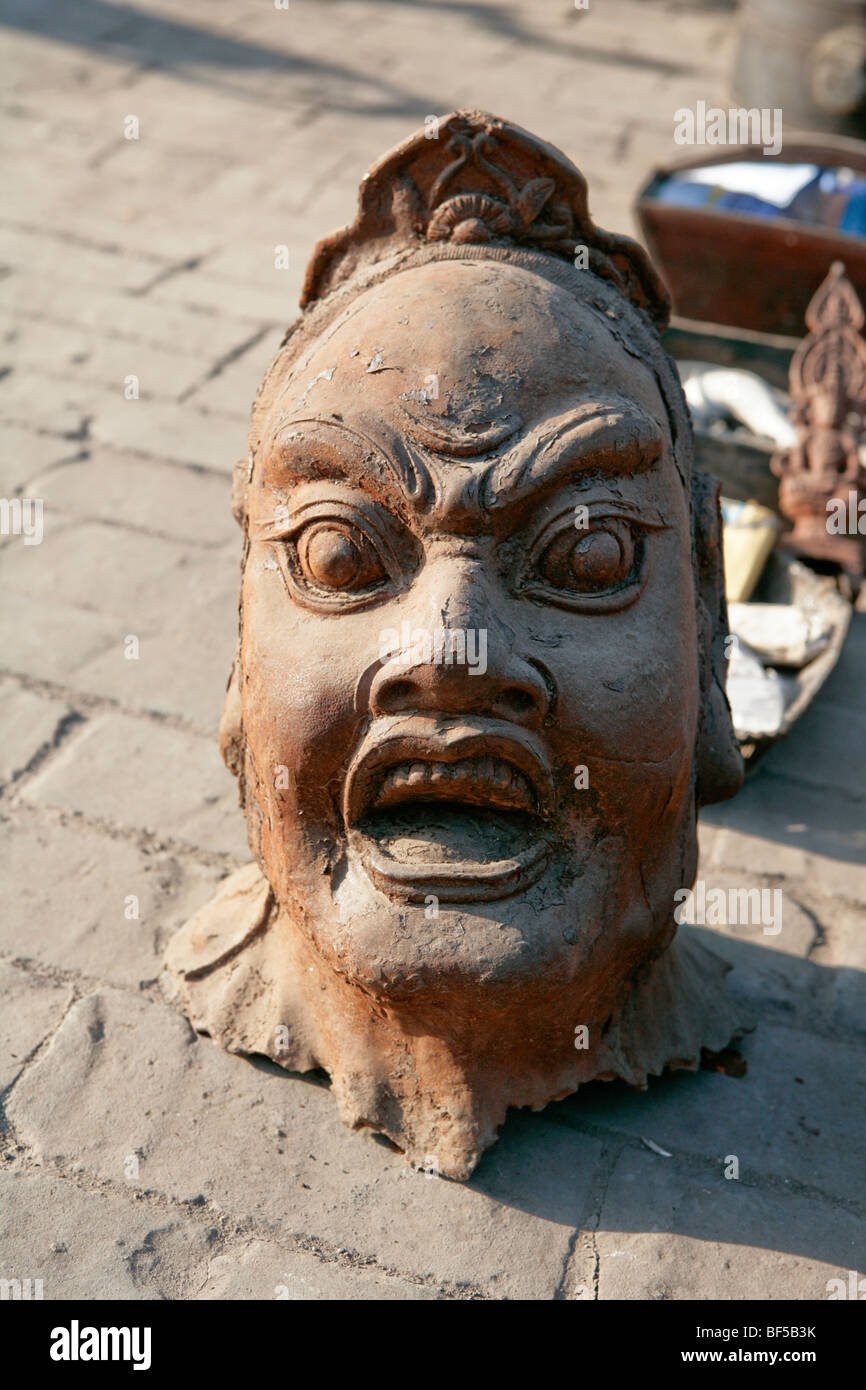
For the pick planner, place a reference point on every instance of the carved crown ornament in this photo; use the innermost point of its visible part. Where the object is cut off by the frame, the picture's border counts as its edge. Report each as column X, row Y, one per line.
column 471, row 179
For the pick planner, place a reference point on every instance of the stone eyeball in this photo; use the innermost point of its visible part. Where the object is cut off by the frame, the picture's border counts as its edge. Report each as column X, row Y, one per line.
column 590, row 562
column 333, row 555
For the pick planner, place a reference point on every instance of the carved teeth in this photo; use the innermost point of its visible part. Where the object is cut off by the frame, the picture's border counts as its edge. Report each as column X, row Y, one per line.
column 482, row 780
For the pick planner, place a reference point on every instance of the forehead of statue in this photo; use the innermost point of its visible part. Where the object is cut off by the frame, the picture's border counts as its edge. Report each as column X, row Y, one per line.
column 464, row 345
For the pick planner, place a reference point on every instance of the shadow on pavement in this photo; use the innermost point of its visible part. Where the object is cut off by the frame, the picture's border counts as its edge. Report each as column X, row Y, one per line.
column 794, row 1123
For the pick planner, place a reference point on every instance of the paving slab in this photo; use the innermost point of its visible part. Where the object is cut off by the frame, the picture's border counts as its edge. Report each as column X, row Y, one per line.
column 232, row 389
column 799, row 993
column 796, row 1116
column 840, row 955
column 109, row 313
column 846, row 682
column 82, row 263
column 197, row 1114
column 171, row 431
column 68, row 353
column 106, row 910
column 668, row 1233
column 134, row 577
column 32, row 1008
column 144, row 776
column 227, row 296
column 24, row 398
column 133, row 164
column 183, row 661
column 30, row 724
column 261, row 1270
column 186, row 503
column 773, row 917
column 812, row 834
column 26, row 452
column 825, row 748
column 90, row 1245
column 181, row 673
column 50, row 641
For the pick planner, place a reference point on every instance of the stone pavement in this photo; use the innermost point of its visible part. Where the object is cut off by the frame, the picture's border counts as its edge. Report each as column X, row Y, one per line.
column 137, row 1160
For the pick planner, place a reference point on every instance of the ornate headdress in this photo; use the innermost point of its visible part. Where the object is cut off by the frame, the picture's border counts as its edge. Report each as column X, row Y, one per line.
column 471, row 179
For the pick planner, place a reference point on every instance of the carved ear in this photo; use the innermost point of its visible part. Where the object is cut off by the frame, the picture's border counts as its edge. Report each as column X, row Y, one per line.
column 231, row 736
column 719, row 761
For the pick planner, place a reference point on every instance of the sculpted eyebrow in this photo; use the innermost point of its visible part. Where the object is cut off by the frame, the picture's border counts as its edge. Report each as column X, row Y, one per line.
column 329, row 449
column 617, row 440
column 614, row 437
column 316, row 449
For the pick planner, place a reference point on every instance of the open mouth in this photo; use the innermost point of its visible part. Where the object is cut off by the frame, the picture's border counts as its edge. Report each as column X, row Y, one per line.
column 452, row 809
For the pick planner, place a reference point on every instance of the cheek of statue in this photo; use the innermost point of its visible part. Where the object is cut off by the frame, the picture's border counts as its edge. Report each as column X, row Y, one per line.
column 468, row 707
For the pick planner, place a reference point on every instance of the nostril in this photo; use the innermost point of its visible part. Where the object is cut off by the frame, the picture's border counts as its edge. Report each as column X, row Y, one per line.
column 396, row 696
column 514, row 703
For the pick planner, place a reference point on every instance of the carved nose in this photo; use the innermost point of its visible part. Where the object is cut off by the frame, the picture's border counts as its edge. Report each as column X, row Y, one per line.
column 433, row 689
column 464, row 666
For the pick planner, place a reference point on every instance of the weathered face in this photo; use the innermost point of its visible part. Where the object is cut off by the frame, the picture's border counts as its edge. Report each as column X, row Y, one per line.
column 469, row 675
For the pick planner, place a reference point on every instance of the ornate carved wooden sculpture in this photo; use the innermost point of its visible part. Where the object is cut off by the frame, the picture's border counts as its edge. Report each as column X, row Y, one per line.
column 822, row 478
column 479, row 689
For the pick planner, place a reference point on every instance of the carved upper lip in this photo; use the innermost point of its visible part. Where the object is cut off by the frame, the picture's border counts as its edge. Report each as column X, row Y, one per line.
column 478, row 760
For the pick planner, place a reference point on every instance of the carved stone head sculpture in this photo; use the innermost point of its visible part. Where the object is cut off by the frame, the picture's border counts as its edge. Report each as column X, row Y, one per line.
column 479, row 690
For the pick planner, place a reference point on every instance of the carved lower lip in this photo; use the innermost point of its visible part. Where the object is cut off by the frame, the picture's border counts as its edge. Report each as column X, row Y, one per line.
column 507, row 777
column 463, row 881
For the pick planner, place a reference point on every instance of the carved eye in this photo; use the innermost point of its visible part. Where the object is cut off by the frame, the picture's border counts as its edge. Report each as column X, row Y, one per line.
column 335, row 555
column 587, row 562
